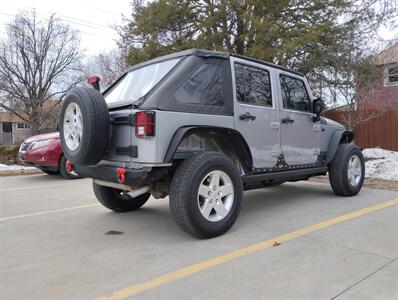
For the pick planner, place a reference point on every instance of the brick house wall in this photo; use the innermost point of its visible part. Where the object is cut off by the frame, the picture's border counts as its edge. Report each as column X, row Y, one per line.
column 384, row 92
column 382, row 95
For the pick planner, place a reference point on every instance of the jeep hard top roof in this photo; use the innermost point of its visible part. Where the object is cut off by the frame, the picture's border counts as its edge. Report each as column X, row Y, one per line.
column 215, row 54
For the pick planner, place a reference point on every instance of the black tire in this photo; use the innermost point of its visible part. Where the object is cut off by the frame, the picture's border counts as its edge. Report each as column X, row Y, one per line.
column 338, row 170
column 114, row 200
column 63, row 172
column 96, row 126
column 48, row 172
column 184, row 194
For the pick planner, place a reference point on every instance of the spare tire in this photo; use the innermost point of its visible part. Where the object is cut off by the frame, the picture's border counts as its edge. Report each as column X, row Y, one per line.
column 84, row 126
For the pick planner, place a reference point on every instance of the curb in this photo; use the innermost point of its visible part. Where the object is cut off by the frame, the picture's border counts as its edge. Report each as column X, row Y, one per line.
column 20, row 172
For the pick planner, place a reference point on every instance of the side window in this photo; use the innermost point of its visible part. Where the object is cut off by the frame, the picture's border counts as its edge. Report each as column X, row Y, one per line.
column 203, row 87
column 294, row 94
column 391, row 75
column 253, row 85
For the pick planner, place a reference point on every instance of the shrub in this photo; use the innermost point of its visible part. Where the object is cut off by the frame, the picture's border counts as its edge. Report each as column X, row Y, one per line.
column 9, row 154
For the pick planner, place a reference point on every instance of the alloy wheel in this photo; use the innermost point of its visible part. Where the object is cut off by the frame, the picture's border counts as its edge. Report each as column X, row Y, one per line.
column 215, row 196
column 73, row 126
column 354, row 170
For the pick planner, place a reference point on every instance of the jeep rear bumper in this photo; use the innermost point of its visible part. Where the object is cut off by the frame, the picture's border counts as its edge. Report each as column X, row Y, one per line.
column 134, row 178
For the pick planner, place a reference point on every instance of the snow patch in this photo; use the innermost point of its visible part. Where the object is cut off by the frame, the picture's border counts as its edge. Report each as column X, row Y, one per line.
column 14, row 167
column 381, row 164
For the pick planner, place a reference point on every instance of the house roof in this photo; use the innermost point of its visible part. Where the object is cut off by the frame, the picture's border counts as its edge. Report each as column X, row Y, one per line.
column 5, row 116
column 387, row 56
column 10, row 117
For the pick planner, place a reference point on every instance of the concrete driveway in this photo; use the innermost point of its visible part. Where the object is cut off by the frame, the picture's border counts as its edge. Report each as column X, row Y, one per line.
column 295, row 241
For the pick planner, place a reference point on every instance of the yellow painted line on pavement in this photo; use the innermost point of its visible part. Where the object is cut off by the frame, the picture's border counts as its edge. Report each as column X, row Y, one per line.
column 187, row 271
column 47, row 212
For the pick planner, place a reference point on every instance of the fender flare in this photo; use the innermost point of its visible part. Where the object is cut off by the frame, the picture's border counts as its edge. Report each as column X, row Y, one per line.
column 234, row 138
column 338, row 137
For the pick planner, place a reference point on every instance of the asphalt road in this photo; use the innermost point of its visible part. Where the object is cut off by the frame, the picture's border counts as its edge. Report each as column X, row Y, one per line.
column 295, row 241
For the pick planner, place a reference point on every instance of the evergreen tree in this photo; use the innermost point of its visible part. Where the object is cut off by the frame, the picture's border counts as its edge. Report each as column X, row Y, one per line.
column 299, row 33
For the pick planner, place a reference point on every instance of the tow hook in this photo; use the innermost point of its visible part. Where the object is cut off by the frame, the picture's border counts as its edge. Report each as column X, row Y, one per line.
column 121, row 172
column 69, row 167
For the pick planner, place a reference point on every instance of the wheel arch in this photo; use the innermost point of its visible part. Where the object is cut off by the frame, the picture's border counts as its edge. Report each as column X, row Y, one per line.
column 230, row 142
column 338, row 137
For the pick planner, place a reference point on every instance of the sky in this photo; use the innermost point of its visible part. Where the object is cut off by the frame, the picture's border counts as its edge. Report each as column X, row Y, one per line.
column 93, row 18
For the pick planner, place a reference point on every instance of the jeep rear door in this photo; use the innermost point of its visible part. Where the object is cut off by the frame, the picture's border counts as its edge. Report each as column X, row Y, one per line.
column 299, row 133
column 255, row 111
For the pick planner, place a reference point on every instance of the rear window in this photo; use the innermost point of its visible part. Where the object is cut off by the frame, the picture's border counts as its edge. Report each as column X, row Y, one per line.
column 137, row 83
column 203, row 87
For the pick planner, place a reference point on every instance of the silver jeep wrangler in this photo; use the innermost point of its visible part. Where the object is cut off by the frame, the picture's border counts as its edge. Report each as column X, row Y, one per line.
column 202, row 127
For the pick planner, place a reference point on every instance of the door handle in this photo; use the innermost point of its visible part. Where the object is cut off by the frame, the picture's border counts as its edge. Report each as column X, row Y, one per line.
column 247, row 116
column 287, row 120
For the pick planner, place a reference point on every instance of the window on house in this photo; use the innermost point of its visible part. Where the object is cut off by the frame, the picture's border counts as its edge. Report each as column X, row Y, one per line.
column 391, row 75
column 294, row 94
column 22, row 126
column 253, row 85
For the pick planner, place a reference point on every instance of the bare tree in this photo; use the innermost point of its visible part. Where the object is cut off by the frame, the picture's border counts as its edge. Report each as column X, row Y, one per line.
column 39, row 60
column 350, row 77
column 109, row 66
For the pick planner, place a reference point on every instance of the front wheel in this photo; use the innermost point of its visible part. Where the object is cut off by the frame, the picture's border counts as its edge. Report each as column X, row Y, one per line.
column 118, row 200
column 347, row 170
column 205, row 195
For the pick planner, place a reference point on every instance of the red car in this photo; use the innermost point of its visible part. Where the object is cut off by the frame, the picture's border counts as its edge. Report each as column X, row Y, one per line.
column 45, row 152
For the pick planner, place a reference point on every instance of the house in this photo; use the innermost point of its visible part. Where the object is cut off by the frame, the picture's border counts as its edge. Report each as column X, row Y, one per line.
column 376, row 118
column 12, row 128
column 384, row 92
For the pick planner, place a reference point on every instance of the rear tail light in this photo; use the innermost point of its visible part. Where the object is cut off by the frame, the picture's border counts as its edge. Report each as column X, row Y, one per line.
column 144, row 124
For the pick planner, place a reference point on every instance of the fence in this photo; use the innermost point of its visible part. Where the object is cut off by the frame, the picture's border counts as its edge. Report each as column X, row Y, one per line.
column 381, row 131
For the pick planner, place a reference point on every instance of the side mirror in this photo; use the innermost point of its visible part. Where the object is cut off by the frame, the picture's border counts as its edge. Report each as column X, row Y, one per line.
column 317, row 107
column 94, row 82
